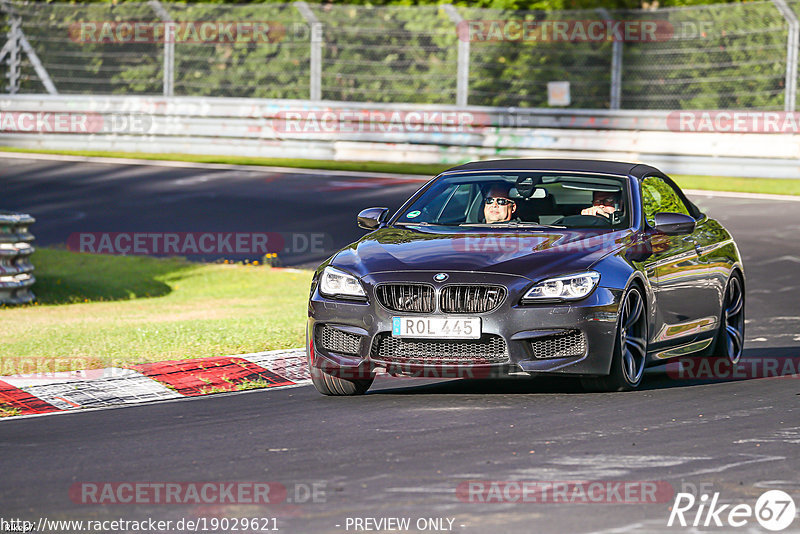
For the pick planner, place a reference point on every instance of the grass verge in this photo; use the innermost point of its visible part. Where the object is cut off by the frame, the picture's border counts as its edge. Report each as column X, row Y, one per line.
column 9, row 411
column 98, row 311
column 708, row 183
column 772, row 186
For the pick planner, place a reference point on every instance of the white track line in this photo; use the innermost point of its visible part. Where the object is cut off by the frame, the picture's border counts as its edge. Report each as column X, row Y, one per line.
column 748, row 196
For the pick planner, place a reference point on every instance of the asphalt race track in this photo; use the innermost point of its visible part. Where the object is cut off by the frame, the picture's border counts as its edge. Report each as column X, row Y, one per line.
column 404, row 450
column 315, row 212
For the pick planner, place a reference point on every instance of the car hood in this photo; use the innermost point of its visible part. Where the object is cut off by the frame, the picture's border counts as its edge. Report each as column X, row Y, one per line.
column 532, row 254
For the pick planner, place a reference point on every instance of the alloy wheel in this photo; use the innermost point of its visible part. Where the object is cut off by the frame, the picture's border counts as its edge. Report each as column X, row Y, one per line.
column 632, row 336
column 733, row 320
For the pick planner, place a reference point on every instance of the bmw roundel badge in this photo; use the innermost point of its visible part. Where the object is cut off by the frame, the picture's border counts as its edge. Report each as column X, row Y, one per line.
column 441, row 277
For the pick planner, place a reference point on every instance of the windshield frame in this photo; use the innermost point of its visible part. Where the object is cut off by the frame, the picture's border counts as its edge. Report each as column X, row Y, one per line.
column 634, row 213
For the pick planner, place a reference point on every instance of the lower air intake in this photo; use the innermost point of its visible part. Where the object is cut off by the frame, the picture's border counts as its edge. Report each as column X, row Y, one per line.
column 489, row 349
column 333, row 340
column 570, row 343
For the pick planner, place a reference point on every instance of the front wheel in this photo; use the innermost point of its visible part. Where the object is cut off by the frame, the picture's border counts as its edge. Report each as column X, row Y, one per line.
column 630, row 348
column 328, row 384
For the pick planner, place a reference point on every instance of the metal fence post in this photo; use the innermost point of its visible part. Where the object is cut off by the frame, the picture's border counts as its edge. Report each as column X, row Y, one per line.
column 615, row 97
column 169, row 47
column 315, row 74
column 17, row 39
column 789, row 101
column 37, row 64
column 13, row 55
column 462, row 77
column 616, row 75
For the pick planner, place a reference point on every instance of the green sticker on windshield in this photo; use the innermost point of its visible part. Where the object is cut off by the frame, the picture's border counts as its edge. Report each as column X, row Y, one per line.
column 413, row 214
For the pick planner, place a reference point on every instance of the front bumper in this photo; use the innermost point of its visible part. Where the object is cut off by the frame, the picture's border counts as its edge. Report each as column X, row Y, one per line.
column 520, row 326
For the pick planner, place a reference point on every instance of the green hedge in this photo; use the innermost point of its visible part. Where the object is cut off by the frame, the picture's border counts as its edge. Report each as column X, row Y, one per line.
column 718, row 57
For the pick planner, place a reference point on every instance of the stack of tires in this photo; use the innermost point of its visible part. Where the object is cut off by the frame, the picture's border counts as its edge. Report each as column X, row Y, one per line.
column 16, row 269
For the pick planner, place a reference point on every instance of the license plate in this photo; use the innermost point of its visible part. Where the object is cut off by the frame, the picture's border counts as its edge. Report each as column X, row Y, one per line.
column 437, row 327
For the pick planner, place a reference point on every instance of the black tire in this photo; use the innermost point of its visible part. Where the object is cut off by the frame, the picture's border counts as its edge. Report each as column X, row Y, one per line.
column 729, row 341
column 328, row 384
column 630, row 347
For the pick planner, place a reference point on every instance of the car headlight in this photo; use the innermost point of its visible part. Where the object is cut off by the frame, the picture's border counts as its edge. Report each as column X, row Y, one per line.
column 570, row 287
column 336, row 283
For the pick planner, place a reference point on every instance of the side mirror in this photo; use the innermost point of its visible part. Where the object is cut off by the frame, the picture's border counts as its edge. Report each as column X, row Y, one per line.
column 674, row 223
column 372, row 218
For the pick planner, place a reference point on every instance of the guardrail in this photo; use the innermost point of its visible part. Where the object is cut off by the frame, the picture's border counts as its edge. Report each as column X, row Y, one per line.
column 16, row 269
column 386, row 132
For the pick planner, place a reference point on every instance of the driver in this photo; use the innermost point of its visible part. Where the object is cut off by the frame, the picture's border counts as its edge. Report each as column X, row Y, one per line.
column 603, row 204
column 497, row 207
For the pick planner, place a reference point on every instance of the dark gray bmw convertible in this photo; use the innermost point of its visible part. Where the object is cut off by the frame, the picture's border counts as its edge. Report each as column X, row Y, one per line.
column 593, row 269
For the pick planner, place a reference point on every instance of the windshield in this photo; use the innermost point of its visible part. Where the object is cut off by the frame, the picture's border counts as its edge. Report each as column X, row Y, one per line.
column 514, row 198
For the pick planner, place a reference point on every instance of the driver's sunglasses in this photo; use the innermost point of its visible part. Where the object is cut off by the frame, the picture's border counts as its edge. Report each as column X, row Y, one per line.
column 500, row 201
column 608, row 201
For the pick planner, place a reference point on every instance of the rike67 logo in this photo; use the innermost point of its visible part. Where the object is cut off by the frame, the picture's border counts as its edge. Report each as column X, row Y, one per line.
column 774, row 510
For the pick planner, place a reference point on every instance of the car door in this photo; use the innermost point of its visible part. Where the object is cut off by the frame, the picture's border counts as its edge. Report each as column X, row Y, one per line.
column 716, row 248
column 677, row 273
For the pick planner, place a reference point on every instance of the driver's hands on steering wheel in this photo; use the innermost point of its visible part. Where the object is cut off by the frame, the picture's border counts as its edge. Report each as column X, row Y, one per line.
column 599, row 211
